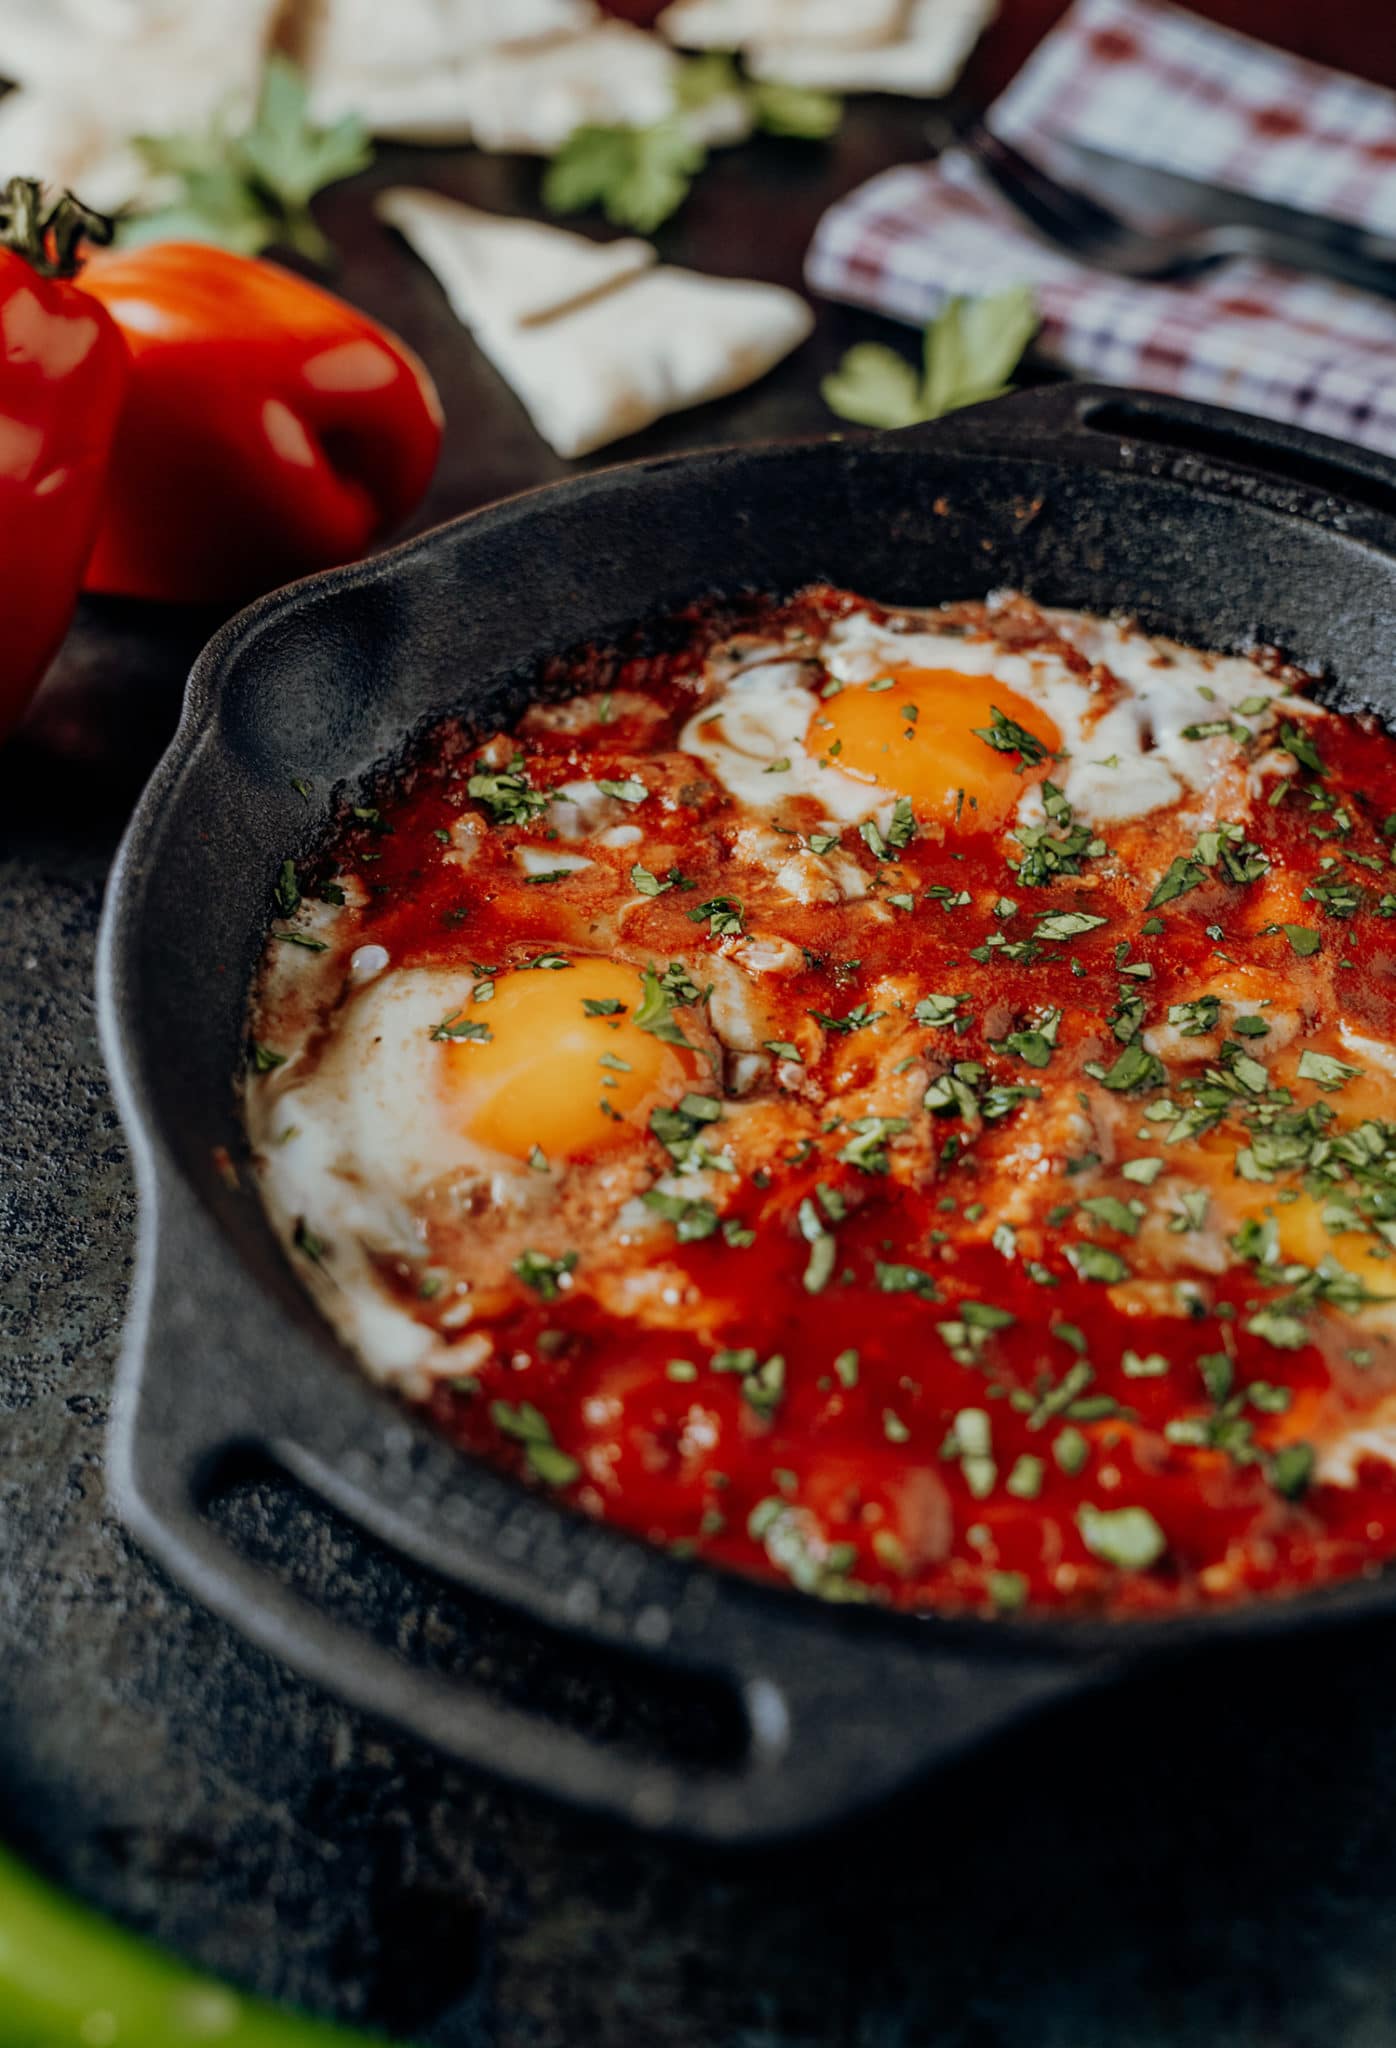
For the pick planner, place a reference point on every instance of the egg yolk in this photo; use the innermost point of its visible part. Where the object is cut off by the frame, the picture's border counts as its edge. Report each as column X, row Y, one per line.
column 920, row 738
column 556, row 1075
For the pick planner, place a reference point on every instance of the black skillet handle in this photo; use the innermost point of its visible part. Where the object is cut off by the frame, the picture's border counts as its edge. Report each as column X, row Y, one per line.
column 1208, row 447
column 841, row 1708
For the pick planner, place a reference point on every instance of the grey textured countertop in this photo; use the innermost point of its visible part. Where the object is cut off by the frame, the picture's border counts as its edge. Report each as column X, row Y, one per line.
column 1205, row 1856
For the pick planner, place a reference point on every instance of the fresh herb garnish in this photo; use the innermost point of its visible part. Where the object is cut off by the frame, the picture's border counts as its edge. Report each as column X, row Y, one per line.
column 525, row 1425
column 508, row 795
column 1127, row 1537
column 250, row 189
column 723, row 914
column 544, row 1275
column 462, row 1028
column 1006, row 736
column 656, row 1011
column 969, row 351
column 692, row 1220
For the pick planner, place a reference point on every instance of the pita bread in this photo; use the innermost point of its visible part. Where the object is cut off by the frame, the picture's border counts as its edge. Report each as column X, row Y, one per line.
column 654, row 341
column 359, row 38
column 531, row 99
column 924, row 62
column 740, row 24
column 514, row 272
column 528, row 97
column 172, row 68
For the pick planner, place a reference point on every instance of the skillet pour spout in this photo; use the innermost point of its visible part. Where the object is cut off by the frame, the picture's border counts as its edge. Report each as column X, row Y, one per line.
column 1219, row 530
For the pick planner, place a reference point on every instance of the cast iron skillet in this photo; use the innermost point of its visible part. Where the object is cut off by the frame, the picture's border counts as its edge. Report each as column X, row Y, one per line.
column 1214, row 527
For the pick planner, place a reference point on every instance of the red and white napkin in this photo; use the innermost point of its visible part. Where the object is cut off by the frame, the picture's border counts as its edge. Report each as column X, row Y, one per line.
column 1144, row 80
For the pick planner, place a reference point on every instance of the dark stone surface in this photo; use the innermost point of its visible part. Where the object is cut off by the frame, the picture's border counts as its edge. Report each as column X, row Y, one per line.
column 1207, row 1856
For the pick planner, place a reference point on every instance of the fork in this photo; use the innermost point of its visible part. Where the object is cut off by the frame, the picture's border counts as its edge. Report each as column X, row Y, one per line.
column 1072, row 221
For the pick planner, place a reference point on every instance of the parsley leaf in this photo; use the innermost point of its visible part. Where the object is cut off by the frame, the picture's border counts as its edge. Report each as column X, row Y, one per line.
column 459, row 1027
column 286, row 893
column 723, row 914
column 1127, row 1537
column 508, row 796
column 1327, row 1071
column 867, row 1148
column 250, row 189
column 1067, row 924
column 646, row 883
column 530, row 1428
column 637, row 176
column 544, row 1275
column 692, row 1219
column 1006, row 736
column 656, row 1011
column 800, row 111
column 1296, row 741
column 969, row 352
column 1097, row 1262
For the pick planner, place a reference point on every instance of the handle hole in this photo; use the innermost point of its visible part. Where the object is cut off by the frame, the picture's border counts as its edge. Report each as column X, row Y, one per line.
column 611, row 1697
column 1136, row 420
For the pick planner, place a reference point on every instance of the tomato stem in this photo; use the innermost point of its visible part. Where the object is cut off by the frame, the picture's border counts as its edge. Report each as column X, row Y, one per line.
column 49, row 238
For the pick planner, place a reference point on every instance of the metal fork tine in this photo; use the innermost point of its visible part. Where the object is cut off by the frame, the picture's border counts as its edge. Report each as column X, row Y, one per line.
column 1064, row 213
column 1070, row 220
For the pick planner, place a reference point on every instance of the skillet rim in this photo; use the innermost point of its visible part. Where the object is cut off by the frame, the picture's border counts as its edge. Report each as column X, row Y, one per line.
column 1076, row 1640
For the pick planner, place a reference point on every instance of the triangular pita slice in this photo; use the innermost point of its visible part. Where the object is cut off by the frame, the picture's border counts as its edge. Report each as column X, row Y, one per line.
column 533, row 97
column 738, row 24
column 507, row 273
column 924, row 62
column 606, row 362
column 403, row 67
column 169, row 72
column 413, row 37
column 666, row 340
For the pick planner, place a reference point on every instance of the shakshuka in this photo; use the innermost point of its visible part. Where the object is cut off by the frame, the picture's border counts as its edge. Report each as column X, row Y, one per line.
column 896, row 1101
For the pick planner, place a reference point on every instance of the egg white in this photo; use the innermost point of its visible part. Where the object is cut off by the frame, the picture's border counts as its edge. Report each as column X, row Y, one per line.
column 346, row 1145
column 761, row 717
column 1119, row 763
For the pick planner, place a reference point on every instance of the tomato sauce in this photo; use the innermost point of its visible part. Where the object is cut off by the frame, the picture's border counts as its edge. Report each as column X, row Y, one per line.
column 1012, row 1373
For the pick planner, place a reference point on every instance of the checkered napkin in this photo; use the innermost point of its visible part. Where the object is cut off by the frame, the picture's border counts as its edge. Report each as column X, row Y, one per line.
column 1145, row 80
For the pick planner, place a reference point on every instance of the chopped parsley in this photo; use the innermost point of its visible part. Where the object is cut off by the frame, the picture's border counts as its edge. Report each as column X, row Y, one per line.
column 867, row 1147
column 508, row 796
column 526, row 1426
column 1329, row 1073
column 1035, row 1045
column 900, row 832
column 656, row 1011
column 1006, row 736
column 1296, row 741
column 892, row 1278
column 1059, row 925
column 461, row 1028
column 723, row 914
column 1097, row 1262
column 286, row 890
column 1129, row 1538
column 546, row 1276
column 938, row 1011
column 692, row 1220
